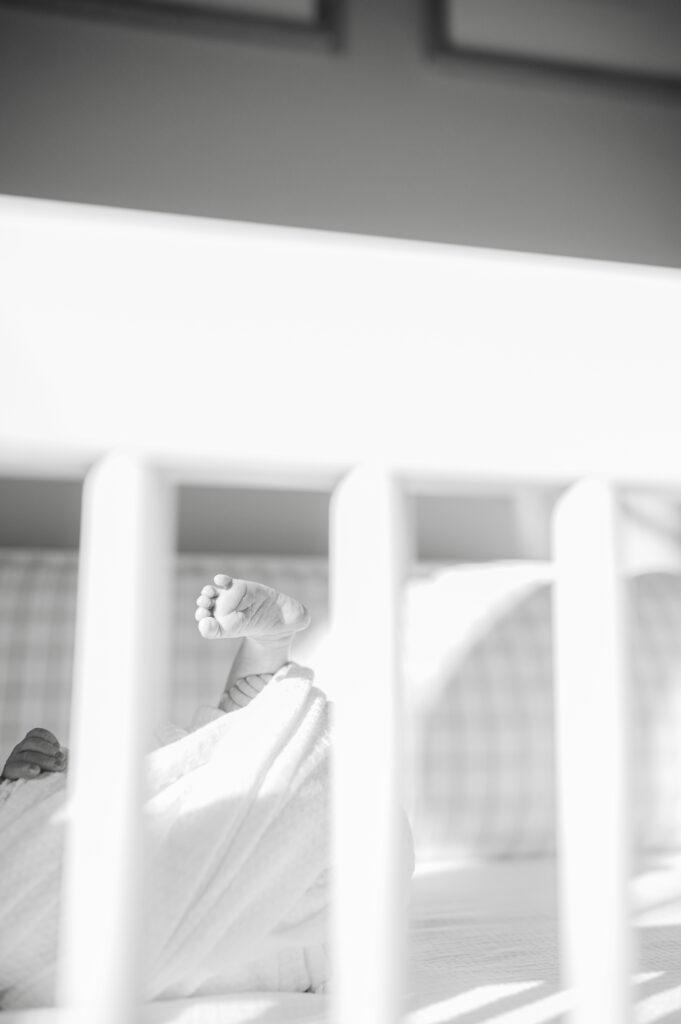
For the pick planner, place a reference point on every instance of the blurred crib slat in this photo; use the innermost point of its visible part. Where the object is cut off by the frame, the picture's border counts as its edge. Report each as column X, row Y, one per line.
column 592, row 734
column 121, row 663
column 126, row 558
column 367, row 559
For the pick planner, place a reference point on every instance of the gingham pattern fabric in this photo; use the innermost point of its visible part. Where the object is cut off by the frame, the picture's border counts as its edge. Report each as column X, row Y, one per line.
column 37, row 617
column 485, row 771
column 37, row 621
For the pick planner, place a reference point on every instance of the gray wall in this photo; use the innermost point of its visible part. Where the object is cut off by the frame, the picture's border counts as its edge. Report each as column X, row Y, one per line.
column 46, row 514
column 377, row 139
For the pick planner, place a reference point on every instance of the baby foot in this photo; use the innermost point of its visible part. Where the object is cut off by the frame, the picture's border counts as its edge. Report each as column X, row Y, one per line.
column 240, row 608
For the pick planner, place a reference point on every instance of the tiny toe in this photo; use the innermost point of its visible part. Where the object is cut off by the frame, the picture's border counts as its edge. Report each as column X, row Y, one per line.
column 222, row 580
column 205, row 602
column 209, row 591
column 209, row 628
column 202, row 613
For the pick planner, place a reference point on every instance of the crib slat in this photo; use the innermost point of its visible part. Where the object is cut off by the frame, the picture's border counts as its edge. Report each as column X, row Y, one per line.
column 592, row 725
column 123, row 614
column 366, row 572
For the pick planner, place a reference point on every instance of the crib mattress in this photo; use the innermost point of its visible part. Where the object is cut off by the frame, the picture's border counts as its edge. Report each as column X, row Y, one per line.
column 482, row 946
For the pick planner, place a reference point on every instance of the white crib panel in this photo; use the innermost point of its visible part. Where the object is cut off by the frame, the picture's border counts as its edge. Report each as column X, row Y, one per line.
column 120, row 662
column 367, row 545
column 592, row 727
column 431, row 339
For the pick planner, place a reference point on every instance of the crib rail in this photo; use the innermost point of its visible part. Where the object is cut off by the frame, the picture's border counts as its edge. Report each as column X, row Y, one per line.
column 125, row 568
column 593, row 755
column 121, row 664
column 368, row 561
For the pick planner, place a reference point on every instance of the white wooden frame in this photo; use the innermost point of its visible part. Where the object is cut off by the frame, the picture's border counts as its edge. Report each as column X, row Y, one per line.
column 379, row 454
column 102, row 983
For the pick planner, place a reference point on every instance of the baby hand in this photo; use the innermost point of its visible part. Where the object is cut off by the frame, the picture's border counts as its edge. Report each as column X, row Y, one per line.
column 38, row 752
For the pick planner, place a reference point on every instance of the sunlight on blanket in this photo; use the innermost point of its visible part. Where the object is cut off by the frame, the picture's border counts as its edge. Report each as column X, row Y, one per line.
column 660, row 1007
column 663, row 1006
column 466, row 1002
column 246, row 1008
column 544, row 1010
column 548, row 1008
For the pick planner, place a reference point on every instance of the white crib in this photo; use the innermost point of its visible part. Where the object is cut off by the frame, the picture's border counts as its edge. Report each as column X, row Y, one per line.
column 435, row 376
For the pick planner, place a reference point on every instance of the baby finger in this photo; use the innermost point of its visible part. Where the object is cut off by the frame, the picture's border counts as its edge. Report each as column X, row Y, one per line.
column 48, row 762
column 37, row 743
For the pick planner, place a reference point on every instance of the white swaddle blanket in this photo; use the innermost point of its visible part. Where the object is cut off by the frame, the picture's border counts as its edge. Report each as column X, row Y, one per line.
column 238, row 822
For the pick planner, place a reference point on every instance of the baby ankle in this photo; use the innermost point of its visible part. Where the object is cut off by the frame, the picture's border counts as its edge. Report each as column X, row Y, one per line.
column 240, row 693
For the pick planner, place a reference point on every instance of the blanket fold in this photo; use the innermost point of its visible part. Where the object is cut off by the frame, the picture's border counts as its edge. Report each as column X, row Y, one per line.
column 237, row 892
